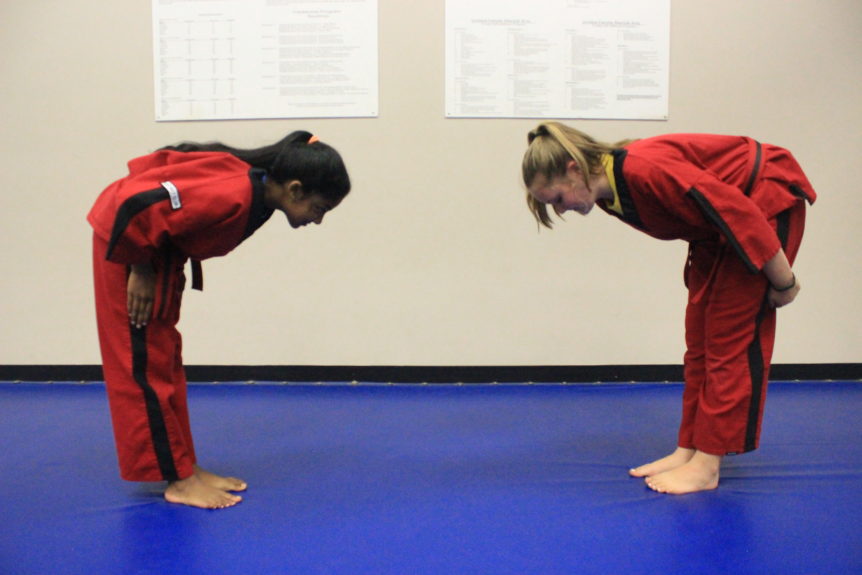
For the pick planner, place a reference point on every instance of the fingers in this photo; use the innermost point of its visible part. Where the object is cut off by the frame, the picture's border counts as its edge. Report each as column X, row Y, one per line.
column 140, row 308
column 782, row 298
column 140, row 295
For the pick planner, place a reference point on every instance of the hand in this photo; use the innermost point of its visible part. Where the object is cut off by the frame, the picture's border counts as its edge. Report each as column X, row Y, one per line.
column 778, row 273
column 782, row 298
column 140, row 294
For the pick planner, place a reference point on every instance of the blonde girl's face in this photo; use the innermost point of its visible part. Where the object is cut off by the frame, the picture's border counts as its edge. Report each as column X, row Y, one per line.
column 565, row 193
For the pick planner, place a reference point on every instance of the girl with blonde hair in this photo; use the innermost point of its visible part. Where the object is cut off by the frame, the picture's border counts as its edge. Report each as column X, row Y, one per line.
column 740, row 205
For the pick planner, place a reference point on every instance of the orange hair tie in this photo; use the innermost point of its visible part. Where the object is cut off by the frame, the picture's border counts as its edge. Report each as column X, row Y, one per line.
column 313, row 139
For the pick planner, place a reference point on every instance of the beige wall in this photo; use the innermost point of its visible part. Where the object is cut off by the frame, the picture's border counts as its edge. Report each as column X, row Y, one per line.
column 433, row 259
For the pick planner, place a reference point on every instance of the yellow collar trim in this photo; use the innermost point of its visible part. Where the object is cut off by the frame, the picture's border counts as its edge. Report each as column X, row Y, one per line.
column 608, row 164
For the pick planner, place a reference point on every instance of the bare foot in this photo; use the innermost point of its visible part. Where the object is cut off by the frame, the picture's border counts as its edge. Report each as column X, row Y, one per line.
column 220, row 482
column 195, row 492
column 679, row 457
column 699, row 474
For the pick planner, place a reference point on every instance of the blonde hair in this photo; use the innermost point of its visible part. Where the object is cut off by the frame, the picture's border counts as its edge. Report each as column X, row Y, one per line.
column 551, row 146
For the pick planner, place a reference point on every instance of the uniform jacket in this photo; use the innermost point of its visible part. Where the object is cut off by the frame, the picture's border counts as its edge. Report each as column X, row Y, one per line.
column 195, row 204
column 701, row 187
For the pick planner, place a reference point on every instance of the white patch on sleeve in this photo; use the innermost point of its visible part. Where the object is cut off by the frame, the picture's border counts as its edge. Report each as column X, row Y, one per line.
column 174, row 193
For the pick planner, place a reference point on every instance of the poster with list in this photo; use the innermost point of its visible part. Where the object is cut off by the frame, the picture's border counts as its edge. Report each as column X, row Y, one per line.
column 597, row 59
column 244, row 59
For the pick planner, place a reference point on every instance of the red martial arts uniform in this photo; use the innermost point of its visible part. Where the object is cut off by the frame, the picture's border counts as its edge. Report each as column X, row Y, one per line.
column 171, row 207
column 736, row 202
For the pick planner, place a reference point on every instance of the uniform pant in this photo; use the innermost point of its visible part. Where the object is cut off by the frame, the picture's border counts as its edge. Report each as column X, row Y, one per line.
column 730, row 332
column 143, row 371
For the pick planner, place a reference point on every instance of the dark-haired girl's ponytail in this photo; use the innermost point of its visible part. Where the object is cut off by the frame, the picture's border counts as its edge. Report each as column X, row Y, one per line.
column 297, row 156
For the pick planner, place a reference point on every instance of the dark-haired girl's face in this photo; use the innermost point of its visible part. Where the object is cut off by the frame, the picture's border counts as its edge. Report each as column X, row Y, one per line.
column 299, row 207
column 308, row 209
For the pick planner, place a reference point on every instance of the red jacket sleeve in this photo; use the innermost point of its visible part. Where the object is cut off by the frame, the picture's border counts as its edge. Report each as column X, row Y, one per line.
column 677, row 199
column 737, row 218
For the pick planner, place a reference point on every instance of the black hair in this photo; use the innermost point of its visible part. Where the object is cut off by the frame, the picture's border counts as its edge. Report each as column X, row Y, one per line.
column 317, row 165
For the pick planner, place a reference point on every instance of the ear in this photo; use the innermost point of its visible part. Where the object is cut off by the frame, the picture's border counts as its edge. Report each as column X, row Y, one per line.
column 294, row 189
column 572, row 167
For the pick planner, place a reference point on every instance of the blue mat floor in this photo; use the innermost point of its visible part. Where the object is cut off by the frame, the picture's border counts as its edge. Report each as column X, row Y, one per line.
column 408, row 480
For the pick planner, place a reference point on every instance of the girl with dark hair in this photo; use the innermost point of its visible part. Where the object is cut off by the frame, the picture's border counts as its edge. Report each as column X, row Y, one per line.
column 741, row 206
column 190, row 201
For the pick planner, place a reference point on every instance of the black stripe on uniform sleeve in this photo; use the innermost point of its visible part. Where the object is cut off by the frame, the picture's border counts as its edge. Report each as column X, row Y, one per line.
column 715, row 218
column 753, row 175
column 129, row 209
